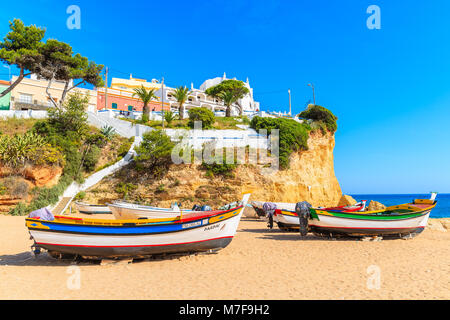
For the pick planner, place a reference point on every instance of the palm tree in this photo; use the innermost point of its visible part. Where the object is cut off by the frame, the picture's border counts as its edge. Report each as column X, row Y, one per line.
column 181, row 95
column 146, row 97
column 228, row 98
column 169, row 116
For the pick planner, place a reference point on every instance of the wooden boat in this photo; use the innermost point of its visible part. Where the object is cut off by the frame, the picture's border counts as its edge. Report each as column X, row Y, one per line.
column 401, row 220
column 192, row 232
column 91, row 208
column 125, row 210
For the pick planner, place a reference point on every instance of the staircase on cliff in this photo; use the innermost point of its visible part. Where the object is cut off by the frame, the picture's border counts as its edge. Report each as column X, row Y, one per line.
column 62, row 206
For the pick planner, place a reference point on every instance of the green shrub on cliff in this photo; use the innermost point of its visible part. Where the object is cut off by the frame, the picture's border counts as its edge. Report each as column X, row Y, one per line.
column 202, row 114
column 91, row 158
column 154, row 153
column 322, row 116
column 29, row 148
column 293, row 136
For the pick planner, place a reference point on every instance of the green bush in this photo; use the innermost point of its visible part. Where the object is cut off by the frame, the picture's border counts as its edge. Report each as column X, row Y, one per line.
column 321, row 115
column 80, row 195
column 28, row 148
column 72, row 117
column 155, row 151
column 169, row 116
column 91, row 158
column 293, row 135
column 202, row 114
column 221, row 169
column 96, row 139
column 21, row 209
column 125, row 147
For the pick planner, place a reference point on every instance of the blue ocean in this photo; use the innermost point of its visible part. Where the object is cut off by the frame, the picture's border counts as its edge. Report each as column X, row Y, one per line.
column 442, row 209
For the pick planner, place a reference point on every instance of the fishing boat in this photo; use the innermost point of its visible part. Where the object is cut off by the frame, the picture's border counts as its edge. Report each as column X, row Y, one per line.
column 287, row 219
column 400, row 220
column 126, row 210
column 92, row 208
column 102, row 238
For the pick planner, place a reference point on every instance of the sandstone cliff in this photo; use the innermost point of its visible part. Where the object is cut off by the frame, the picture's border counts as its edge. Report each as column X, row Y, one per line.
column 16, row 185
column 310, row 177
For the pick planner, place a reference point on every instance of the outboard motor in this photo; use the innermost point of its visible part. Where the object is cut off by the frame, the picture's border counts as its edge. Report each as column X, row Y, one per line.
column 302, row 210
column 269, row 209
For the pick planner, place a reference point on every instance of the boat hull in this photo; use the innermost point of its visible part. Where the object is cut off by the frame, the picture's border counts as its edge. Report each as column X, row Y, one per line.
column 362, row 227
column 398, row 220
column 287, row 221
column 197, row 231
column 142, row 251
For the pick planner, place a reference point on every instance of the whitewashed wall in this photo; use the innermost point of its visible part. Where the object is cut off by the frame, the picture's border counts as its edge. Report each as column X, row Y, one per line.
column 24, row 114
column 222, row 138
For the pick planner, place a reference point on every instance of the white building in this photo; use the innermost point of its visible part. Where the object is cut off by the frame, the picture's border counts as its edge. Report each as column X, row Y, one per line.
column 198, row 98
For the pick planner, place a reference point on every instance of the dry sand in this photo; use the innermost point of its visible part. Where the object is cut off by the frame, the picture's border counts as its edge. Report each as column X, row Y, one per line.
column 258, row 264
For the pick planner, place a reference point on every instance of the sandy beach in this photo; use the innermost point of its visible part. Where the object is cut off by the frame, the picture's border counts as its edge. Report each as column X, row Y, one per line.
column 258, row 264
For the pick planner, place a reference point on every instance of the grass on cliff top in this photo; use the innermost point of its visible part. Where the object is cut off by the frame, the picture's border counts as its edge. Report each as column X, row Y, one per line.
column 11, row 126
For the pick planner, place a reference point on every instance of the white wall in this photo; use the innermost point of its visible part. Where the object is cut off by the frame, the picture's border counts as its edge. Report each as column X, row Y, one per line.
column 223, row 138
column 26, row 114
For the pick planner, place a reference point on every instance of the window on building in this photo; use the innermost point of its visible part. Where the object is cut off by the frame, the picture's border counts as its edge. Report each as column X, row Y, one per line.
column 130, row 108
column 25, row 98
column 114, row 105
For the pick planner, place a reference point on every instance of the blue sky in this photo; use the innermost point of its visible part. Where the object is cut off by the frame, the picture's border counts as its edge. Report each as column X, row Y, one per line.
column 388, row 87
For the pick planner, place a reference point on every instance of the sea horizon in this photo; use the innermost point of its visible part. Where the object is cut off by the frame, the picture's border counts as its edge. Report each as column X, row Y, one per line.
column 442, row 209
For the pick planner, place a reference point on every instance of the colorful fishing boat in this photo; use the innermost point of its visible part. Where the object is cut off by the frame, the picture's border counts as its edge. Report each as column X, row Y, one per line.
column 87, row 208
column 101, row 238
column 401, row 220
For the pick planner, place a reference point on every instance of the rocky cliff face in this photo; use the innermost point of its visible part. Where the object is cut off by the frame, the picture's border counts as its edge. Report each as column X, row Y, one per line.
column 310, row 177
column 16, row 185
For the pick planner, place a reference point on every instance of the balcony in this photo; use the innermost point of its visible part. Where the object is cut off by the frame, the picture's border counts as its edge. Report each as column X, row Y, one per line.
column 35, row 105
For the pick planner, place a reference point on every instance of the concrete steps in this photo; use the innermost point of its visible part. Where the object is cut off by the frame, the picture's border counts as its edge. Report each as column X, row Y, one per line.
column 62, row 206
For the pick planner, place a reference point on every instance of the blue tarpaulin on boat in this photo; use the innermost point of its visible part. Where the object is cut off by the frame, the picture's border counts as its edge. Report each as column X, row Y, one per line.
column 42, row 214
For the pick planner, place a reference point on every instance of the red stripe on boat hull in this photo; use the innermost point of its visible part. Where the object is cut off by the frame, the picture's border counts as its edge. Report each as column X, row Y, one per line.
column 138, row 251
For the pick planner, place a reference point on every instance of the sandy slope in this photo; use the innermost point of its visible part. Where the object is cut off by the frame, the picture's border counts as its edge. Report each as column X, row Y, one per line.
column 258, row 264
